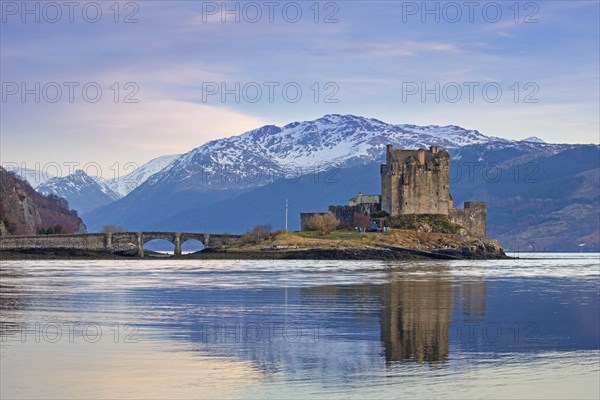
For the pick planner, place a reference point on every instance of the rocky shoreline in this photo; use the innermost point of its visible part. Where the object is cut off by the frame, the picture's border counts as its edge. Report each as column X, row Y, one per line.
column 480, row 249
column 396, row 244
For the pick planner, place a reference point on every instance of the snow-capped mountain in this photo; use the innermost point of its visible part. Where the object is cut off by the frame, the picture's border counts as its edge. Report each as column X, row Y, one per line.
column 262, row 155
column 232, row 184
column 123, row 185
column 533, row 139
column 83, row 192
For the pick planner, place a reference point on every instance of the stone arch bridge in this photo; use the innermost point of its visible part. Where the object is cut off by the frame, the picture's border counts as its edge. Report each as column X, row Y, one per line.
column 116, row 241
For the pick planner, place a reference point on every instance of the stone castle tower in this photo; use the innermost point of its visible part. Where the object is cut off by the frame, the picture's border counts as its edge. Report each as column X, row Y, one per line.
column 416, row 182
column 413, row 182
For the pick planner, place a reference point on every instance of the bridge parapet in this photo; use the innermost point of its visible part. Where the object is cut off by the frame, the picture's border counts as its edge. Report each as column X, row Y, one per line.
column 113, row 241
column 220, row 240
column 92, row 241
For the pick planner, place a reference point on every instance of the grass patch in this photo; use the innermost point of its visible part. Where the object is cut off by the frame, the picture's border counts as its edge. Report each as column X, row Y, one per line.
column 332, row 235
column 436, row 223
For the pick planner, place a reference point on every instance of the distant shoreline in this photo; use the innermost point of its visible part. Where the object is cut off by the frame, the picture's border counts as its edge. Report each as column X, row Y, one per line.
column 210, row 254
column 336, row 245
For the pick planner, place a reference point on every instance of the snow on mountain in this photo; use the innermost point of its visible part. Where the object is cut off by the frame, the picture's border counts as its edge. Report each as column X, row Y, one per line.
column 533, row 139
column 270, row 152
column 184, row 193
column 123, row 185
column 83, row 192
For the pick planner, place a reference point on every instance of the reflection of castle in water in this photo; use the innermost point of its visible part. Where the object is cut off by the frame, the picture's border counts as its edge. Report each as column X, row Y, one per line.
column 404, row 319
column 416, row 316
column 416, row 313
column 414, row 320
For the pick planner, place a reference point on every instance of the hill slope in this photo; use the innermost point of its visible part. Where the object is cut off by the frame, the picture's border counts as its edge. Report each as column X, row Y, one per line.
column 23, row 211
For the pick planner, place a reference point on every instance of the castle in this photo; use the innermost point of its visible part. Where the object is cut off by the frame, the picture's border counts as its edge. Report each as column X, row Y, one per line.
column 413, row 182
column 416, row 182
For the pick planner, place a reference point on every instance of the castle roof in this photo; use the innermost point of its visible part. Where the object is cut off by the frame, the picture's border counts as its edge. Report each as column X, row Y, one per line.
column 364, row 199
column 410, row 156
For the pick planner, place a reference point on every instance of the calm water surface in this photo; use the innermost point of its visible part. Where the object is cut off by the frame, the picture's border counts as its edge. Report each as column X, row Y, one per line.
column 204, row 329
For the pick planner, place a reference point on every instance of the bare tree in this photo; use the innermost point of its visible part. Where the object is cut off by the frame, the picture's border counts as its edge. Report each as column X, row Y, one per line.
column 323, row 223
column 260, row 229
column 362, row 221
column 258, row 233
column 110, row 228
column 331, row 222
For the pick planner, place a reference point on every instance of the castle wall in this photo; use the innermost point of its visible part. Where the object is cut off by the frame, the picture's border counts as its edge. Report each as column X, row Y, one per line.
column 390, row 182
column 386, row 189
column 472, row 217
column 423, row 189
column 415, row 182
column 345, row 214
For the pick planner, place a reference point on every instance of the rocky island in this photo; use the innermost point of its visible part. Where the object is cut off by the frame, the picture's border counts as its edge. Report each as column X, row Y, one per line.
column 395, row 244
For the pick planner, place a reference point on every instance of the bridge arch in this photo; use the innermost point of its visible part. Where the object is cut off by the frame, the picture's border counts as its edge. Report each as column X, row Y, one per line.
column 158, row 245
column 192, row 245
column 177, row 238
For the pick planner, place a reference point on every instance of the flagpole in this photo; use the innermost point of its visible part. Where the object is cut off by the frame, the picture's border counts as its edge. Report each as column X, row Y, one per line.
column 286, row 215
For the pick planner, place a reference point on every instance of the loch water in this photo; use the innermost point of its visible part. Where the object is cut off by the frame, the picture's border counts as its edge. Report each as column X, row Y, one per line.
column 521, row 328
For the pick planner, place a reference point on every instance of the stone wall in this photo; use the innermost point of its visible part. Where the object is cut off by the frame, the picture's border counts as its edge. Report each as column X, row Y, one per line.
column 94, row 241
column 472, row 217
column 415, row 182
column 345, row 214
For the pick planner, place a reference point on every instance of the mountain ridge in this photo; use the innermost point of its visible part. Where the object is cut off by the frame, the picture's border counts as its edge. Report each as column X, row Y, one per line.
column 83, row 192
column 204, row 183
column 123, row 185
column 255, row 157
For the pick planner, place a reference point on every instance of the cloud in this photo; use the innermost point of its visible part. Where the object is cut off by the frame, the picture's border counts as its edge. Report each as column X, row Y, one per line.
column 383, row 49
column 163, row 126
column 107, row 132
column 171, row 52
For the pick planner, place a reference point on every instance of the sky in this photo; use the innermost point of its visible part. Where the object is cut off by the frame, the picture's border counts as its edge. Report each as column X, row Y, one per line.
column 114, row 83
